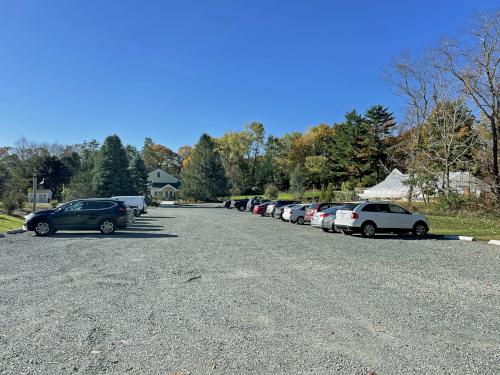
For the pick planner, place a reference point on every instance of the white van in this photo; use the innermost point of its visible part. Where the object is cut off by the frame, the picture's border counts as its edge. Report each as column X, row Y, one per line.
column 136, row 202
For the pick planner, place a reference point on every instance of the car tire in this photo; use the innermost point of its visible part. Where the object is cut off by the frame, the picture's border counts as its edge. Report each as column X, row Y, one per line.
column 326, row 230
column 300, row 220
column 241, row 208
column 420, row 229
column 347, row 232
column 43, row 228
column 107, row 226
column 368, row 229
column 335, row 229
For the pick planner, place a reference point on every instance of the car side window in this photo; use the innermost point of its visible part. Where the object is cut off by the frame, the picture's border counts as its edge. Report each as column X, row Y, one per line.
column 75, row 206
column 370, row 208
column 396, row 209
column 382, row 208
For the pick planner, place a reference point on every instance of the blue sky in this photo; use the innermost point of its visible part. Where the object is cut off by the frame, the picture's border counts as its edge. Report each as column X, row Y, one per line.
column 170, row 70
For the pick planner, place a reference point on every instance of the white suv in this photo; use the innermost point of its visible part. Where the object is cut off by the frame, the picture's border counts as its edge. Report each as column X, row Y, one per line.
column 370, row 217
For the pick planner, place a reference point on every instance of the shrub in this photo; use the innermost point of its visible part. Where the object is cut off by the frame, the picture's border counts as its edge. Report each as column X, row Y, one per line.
column 54, row 203
column 347, row 186
column 271, row 192
column 451, row 201
column 345, row 196
column 13, row 201
column 330, row 193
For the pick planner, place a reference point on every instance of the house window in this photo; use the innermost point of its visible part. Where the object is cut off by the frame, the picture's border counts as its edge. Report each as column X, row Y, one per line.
column 158, row 174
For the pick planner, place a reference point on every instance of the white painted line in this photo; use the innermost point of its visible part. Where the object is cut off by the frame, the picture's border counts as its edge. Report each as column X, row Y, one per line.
column 466, row 238
column 458, row 238
column 494, row 242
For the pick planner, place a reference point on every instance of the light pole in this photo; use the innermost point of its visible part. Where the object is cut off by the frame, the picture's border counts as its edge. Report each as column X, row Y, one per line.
column 35, row 185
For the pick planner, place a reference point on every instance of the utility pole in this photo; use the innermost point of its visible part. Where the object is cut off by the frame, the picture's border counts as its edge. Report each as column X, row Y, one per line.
column 35, row 185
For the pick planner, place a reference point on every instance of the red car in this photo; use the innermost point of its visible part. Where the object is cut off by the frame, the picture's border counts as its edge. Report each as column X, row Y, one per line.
column 260, row 209
column 318, row 207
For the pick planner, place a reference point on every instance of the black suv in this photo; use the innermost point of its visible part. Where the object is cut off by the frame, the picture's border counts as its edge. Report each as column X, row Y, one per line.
column 104, row 214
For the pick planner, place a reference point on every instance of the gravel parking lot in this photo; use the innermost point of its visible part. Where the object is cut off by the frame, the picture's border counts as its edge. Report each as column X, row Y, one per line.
column 205, row 290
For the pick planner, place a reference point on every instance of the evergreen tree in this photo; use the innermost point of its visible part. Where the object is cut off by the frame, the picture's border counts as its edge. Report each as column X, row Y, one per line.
column 379, row 124
column 322, row 194
column 204, row 178
column 112, row 175
column 297, row 182
column 139, row 176
column 330, row 193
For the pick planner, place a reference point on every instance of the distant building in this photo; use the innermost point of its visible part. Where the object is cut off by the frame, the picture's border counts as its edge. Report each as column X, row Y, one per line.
column 163, row 185
column 394, row 187
column 42, row 196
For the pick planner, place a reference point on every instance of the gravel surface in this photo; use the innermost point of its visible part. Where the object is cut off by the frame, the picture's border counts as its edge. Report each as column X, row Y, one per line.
column 205, row 290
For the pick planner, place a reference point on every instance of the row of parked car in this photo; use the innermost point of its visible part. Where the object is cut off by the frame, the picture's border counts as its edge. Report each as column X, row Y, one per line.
column 364, row 217
column 103, row 214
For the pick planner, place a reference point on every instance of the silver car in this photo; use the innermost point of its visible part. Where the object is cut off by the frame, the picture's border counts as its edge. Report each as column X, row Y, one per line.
column 326, row 219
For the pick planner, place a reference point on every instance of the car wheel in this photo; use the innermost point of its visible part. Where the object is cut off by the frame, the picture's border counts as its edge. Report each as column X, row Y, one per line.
column 241, row 208
column 326, row 230
column 43, row 228
column 368, row 230
column 420, row 229
column 292, row 221
column 107, row 226
column 300, row 220
column 347, row 232
column 335, row 229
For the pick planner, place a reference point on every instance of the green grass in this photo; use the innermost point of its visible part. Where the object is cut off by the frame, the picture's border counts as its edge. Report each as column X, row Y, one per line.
column 9, row 222
column 483, row 228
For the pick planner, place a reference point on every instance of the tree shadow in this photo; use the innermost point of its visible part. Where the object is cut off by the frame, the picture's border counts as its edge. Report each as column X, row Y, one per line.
column 142, row 229
column 120, row 234
column 156, row 217
column 192, row 206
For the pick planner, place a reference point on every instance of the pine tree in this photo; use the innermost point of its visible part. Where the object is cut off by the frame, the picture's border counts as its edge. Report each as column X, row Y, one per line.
column 297, row 181
column 112, row 175
column 330, row 193
column 379, row 123
column 204, row 178
column 139, row 176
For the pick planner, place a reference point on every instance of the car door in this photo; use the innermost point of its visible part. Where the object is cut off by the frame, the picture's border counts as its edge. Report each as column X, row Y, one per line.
column 68, row 216
column 375, row 212
column 400, row 218
column 91, row 214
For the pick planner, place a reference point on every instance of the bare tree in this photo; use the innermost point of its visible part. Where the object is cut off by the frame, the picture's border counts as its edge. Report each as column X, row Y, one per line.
column 473, row 62
column 411, row 79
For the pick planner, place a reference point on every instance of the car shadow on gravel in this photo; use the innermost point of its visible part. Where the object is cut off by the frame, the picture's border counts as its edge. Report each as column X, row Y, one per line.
column 155, row 217
column 403, row 237
column 120, row 234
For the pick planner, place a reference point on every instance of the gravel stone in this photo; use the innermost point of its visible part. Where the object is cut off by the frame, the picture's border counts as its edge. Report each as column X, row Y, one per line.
column 205, row 290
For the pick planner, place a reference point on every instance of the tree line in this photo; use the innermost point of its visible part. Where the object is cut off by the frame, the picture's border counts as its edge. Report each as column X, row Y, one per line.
column 451, row 123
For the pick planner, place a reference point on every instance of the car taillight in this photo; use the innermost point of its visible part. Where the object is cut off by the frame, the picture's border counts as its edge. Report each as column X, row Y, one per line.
column 323, row 215
column 354, row 215
column 122, row 209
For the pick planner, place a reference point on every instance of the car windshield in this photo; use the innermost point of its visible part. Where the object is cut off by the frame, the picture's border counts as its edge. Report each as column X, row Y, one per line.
column 312, row 206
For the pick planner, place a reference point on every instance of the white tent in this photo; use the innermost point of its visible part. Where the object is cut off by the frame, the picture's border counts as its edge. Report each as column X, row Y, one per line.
column 391, row 188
